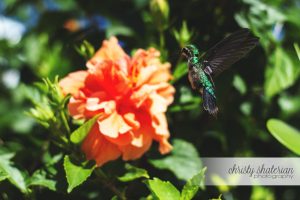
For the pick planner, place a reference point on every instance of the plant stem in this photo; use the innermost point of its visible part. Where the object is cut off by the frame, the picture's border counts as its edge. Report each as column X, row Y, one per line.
column 108, row 183
column 65, row 122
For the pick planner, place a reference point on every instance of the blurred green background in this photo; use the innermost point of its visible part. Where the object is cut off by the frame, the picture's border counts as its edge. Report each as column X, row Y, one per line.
column 38, row 39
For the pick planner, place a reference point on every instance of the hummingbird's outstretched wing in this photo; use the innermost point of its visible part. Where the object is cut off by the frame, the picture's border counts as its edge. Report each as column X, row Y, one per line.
column 228, row 51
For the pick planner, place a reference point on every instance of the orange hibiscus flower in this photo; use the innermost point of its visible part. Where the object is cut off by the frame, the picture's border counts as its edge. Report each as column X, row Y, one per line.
column 131, row 93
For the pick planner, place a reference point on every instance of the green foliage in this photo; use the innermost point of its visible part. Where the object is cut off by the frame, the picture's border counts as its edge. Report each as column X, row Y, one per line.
column 259, row 192
column 39, row 178
column 192, row 186
column 43, row 57
column 184, row 160
column 118, row 28
column 285, row 134
column 76, row 173
column 133, row 173
column 297, row 50
column 80, row 133
column 13, row 174
column 219, row 198
column 180, row 70
column 290, row 105
column 187, row 101
column 160, row 13
column 3, row 175
column 183, row 36
column 163, row 190
column 281, row 73
column 85, row 49
column 263, row 19
column 240, row 84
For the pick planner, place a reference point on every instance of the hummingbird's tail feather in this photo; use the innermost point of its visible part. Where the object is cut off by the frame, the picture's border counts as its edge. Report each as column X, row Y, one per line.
column 210, row 103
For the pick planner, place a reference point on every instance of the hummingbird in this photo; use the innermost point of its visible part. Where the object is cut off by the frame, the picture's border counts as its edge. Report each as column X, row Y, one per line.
column 203, row 69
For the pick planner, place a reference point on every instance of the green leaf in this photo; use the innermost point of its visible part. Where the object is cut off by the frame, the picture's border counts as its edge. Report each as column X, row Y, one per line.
column 239, row 84
column 280, row 74
column 184, row 35
column 296, row 46
column 159, row 10
column 285, row 134
column 260, row 192
column 79, row 134
column 187, row 101
column 76, row 173
column 3, row 175
column 39, row 179
column 13, row 174
column 114, row 198
column 192, row 186
column 180, row 70
column 118, row 28
column 218, row 198
column 289, row 104
column 184, row 160
column 133, row 173
column 85, row 49
column 163, row 190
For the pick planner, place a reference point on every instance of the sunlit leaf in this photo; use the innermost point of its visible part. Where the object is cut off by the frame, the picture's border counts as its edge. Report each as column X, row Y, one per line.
column 159, row 10
column 118, row 29
column 79, row 134
column 184, row 160
column 13, row 174
column 221, row 184
column 180, row 70
column 39, row 179
column 184, row 35
column 163, row 190
column 133, row 173
column 239, row 84
column 259, row 192
column 76, row 173
column 297, row 50
column 218, row 198
column 3, row 175
column 285, row 134
column 85, row 49
column 193, row 185
column 289, row 104
column 280, row 74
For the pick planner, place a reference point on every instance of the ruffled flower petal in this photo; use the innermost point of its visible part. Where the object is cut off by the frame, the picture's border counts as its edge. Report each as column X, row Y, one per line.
column 132, row 95
column 73, row 82
column 97, row 148
column 113, row 125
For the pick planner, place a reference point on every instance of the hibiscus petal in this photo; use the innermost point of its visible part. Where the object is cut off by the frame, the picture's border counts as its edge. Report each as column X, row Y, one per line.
column 73, row 82
column 76, row 108
column 110, row 50
column 167, row 92
column 131, row 152
column 164, row 145
column 159, row 104
column 97, row 148
column 122, row 139
column 131, row 120
column 94, row 104
column 112, row 125
column 160, row 124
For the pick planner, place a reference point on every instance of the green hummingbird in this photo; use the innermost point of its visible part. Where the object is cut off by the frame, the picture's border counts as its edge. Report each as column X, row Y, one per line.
column 202, row 69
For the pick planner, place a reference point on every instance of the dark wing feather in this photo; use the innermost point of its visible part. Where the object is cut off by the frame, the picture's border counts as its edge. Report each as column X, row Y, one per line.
column 230, row 50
